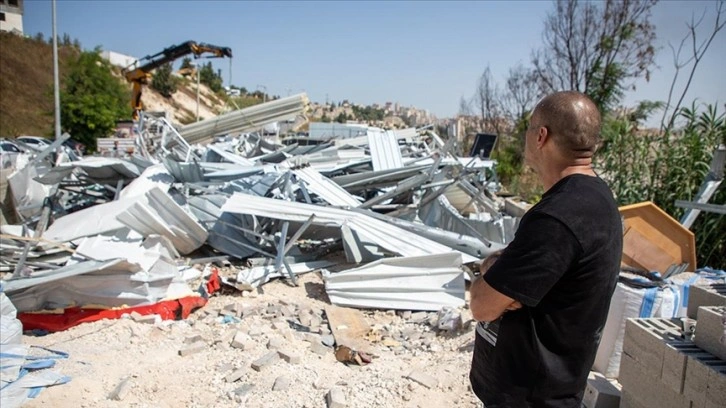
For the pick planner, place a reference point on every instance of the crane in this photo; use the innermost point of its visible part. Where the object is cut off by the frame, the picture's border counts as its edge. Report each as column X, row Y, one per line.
column 140, row 75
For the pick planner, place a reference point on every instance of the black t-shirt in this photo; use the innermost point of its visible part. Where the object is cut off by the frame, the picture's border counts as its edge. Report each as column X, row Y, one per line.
column 562, row 266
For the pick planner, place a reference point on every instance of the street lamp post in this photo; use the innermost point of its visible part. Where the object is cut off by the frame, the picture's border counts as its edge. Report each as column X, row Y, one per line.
column 264, row 94
column 196, row 68
column 56, row 81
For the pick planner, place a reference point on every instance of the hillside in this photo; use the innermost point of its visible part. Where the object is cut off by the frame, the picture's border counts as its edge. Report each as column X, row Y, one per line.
column 26, row 84
column 26, row 89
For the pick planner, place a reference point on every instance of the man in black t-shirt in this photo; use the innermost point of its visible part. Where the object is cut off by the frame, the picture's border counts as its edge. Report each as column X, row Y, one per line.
column 542, row 305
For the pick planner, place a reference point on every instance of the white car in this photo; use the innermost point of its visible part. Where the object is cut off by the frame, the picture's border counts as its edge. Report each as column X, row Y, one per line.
column 35, row 142
column 9, row 152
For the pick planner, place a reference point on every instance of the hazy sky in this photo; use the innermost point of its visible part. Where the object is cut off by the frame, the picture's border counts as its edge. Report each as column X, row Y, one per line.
column 425, row 54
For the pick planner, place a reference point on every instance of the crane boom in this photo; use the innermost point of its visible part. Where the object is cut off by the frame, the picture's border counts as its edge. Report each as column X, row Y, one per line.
column 140, row 75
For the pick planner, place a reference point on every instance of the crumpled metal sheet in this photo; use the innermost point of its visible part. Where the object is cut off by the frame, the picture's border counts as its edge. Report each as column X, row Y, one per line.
column 259, row 275
column 224, row 233
column 159, row 214
column 113, row 283
column 405, row 283
column 385, row 152
column 392, row 238
column 325, row 188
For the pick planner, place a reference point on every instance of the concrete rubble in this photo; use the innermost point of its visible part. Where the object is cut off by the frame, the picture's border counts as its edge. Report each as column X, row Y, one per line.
column 222, row 191
column 393, row 221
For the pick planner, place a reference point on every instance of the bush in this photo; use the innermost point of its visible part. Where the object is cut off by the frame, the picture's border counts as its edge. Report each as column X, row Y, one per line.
column 663, row 167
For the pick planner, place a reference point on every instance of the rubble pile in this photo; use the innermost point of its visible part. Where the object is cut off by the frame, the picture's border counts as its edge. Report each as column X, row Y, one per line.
column 390, row 218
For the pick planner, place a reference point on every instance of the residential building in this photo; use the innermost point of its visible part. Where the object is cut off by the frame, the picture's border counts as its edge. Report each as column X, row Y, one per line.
column 11, row 16
column 117, row 59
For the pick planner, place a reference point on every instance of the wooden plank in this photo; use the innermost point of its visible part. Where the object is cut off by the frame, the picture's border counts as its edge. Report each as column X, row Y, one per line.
column 661, row 232
column 641, row 252
column 349, row 328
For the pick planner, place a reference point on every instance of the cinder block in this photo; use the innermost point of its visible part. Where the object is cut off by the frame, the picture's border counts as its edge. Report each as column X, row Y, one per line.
column 628, row 401
column 241, row 340
column 645, row 342
column 234, row 375
column 289, row 357
column 710, row 329
column 709, row 295
column 274, row 343
column 645, row 389
column 600, row 393
column 336, row 398
column 716, row 387
column 674, row 363
column 319, row 348
column 697, row 373
column 282, row 383
column 423, row 379
column 265, row 361
column 193, row 348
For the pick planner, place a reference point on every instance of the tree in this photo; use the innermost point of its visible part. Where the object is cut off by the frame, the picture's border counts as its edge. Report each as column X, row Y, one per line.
column 595, row 48
column 39, row 37
column 163, row 81
column 208, row 77
column 487, row 101
column 186, row 63
column 698, row 50
column 464, row 106
column 520, row 93
column 92, row 99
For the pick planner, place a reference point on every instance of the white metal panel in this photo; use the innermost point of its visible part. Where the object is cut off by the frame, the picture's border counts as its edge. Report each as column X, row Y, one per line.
column 326, row 188
column 385, row 152
column 161, row 215
column 247, row 119
column 413, row 283
column 390, row 237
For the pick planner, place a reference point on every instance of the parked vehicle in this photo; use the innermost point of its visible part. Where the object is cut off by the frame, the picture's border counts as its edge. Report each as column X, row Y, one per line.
column 35, row 142
column 9, row 152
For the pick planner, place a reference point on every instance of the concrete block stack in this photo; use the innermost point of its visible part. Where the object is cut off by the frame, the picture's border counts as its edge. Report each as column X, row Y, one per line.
column 661, row 368
column 709, row 295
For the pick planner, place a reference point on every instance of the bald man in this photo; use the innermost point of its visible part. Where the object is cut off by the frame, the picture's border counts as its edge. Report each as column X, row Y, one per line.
column 543, row 303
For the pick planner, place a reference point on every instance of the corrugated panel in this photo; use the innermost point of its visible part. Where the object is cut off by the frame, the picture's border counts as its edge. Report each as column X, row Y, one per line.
column 326, row 189
column 161, row 215
column 385, row 152
column 243, row 120
column 414, row 283
column 390, row 237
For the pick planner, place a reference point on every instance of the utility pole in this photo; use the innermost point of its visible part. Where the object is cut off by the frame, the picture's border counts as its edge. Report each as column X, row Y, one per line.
column 56, row 81
column 197, row 93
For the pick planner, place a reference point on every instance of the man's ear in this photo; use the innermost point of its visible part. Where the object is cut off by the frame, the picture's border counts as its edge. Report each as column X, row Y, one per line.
column 542, row 136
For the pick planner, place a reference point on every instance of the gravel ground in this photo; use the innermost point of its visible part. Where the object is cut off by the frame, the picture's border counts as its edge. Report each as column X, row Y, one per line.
column 143, row 360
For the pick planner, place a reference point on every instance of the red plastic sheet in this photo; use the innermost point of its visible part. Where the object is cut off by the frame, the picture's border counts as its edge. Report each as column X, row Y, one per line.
column 168, row 310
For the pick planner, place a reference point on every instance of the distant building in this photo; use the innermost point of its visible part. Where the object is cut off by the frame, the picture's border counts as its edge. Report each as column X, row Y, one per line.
column 11, row 16
column 117, row 59
column 329, row 131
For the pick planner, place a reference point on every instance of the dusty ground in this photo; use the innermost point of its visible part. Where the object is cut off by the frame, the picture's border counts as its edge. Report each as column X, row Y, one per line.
column 104, row 353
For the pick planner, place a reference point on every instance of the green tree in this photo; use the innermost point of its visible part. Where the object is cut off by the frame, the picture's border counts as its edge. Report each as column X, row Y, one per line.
column 208, row 77
column 341, row 118
column 596, row 48
column 626, row 162
column 186, row 63
column 92, row 99
column 163, row 81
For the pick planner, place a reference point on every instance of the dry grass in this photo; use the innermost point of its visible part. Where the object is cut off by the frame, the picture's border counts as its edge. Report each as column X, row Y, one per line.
column 26, row 85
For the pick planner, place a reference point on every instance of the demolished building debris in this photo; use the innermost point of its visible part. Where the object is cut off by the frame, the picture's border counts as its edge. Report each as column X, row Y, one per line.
column 392, row 220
